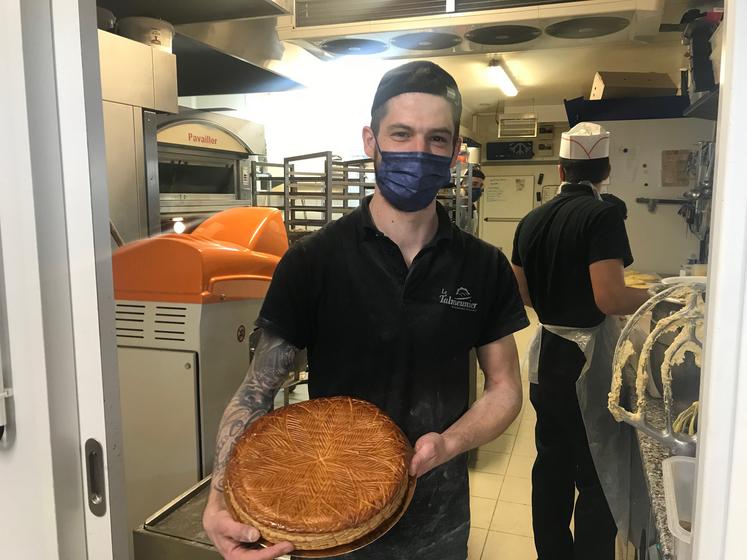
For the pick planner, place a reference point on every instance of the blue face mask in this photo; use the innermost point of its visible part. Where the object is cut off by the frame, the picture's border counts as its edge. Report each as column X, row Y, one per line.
column 476, row 194
column 410, row 180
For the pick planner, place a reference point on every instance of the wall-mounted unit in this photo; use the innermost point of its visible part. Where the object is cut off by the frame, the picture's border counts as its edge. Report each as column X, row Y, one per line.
column 426, row 28
column 517, row 126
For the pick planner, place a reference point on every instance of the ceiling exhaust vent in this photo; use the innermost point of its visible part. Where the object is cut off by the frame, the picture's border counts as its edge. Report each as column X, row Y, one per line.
column 517, row 126
column 477, row 5
column 471, row 27
column 331, row 12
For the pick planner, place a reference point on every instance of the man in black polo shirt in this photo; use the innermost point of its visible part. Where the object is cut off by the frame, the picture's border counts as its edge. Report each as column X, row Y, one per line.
column 389, row 301
column 568, row 258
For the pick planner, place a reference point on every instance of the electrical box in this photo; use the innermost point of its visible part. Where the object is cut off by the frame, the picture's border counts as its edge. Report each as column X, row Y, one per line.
column 498, row 151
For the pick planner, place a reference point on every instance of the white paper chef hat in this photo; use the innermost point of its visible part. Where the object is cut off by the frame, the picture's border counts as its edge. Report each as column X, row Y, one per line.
column 585, row 141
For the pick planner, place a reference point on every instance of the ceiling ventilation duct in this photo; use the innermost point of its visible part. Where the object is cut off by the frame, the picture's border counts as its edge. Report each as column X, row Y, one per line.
column 424, row 28
column 426, row 41
column 310, row 13
column 214, row 57
column 197, row 11
column 478, row 5
column 503, row 34
column 354, row 46
column 587, row 27
column 517, row 126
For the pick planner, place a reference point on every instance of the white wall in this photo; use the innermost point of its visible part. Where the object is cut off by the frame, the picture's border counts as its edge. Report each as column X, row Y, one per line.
column 328, row 114
column 660, row 240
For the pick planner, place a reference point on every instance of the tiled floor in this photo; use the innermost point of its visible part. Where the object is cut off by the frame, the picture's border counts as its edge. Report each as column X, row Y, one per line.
column 500, row 482
column 500, row 485
column 501, row 502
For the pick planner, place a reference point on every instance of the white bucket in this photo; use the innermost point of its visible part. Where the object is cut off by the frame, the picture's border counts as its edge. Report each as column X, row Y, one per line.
column 151, row 31
column 679, row 492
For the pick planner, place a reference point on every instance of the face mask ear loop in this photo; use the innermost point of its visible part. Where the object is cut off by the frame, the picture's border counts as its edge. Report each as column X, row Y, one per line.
column 376, row 141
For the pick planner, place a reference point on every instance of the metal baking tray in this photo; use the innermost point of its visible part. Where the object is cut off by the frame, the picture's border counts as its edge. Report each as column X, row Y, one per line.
column 175, row 532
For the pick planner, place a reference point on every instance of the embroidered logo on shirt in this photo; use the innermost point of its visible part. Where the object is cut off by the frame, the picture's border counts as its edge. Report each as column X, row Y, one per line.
column 462, row 300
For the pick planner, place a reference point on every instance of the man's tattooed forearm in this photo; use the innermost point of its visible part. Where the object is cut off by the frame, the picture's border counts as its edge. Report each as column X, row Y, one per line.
column 272, row 363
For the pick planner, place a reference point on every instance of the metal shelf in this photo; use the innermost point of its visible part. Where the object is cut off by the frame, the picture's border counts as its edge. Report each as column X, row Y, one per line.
column 652, row 203
column 339, row 184
column 625, row 108
column 548, row 161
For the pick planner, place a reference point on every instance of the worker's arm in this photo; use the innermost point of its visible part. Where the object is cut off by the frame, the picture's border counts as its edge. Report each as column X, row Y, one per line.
column 486, row 419
column 611, row 294
column 521, row 280
column 272, row 363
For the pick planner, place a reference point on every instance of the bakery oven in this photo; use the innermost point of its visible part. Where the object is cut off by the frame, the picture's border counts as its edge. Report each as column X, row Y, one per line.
column 204, row 166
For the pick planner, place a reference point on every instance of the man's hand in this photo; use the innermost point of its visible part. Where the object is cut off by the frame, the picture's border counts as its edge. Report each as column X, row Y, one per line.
column 431, row 450
column 229, row 536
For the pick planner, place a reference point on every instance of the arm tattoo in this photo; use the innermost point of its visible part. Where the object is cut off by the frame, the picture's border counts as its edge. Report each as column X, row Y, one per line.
column 272, row 363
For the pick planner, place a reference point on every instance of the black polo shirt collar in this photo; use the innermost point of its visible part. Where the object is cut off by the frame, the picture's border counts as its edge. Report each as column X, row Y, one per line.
column 583, row 188
column 367, row 228
column 577, row 188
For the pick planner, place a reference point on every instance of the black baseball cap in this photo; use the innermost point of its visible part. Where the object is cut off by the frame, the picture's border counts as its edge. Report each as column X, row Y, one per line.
column 476, row 172
column 420, row 76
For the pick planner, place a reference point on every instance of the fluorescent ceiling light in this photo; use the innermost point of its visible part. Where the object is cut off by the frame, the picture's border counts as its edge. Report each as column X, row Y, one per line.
column 499, row 77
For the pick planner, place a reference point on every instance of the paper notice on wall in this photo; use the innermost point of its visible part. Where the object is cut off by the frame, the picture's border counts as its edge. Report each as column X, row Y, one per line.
column 500, row 188
column 674, row 164
column 508, row 197
column 549, row 192
column 495, row 190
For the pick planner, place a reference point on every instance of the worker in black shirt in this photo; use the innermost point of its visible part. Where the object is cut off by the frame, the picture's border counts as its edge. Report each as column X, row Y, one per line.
column 568, row 257
column 618, row 202
column 389, row 301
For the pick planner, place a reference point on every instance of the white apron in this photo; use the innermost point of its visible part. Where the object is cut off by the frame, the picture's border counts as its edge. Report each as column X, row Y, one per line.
column 609, row 441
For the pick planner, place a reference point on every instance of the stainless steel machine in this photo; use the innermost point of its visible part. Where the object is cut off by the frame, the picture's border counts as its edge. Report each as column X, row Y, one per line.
column 137, row 82
column 204, row 165
column 185, row 309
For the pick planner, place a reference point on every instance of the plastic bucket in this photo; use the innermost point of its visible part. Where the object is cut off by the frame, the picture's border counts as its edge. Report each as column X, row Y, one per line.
column 679, row 492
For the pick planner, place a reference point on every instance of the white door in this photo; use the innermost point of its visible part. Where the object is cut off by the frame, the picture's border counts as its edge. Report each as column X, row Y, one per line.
column 60, row 469
column 506, row 200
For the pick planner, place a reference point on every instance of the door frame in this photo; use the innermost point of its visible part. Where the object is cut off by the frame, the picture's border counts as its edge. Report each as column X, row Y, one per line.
column 720, row 507
column 57, row 296
column 55, row 257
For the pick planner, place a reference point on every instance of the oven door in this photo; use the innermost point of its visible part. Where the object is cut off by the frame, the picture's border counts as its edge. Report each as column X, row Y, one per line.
column 185, row 171
column 194, row 184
